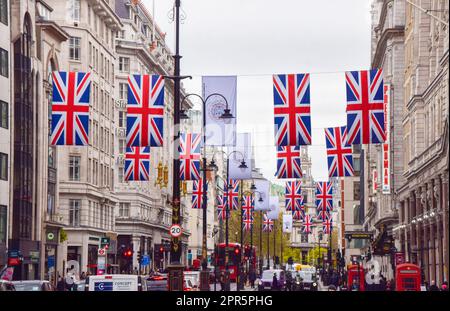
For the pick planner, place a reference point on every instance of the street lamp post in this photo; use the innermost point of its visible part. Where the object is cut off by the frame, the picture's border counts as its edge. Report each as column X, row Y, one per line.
column 204, row 277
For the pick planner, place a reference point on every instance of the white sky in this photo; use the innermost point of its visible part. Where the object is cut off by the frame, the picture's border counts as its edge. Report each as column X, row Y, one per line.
column 254, row 39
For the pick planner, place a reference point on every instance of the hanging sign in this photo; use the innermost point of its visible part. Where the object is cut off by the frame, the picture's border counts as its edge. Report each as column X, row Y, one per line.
column 386, row 185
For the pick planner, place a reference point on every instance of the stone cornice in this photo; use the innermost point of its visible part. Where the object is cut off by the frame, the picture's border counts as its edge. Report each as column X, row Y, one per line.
column 381, row 44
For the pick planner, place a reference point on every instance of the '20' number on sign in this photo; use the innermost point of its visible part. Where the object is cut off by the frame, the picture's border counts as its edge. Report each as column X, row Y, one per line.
column 175, row 231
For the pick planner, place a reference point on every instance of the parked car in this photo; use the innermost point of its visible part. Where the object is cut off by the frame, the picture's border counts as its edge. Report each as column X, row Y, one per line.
column 6, row 286
column 33, row 286
column 115, row 282
column 157, row 283
column 266, row 280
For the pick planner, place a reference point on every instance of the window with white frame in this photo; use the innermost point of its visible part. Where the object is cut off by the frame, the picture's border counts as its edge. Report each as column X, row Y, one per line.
column 123, row 91
column 74, row 213
column 74, row 10
column 124, row 209
column 124, row 64
column 122, row 118
column 74, row 48
column 74, row 168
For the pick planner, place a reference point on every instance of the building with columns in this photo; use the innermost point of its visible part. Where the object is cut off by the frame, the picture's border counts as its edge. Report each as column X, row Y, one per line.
column 380, row 202
column 422, row 232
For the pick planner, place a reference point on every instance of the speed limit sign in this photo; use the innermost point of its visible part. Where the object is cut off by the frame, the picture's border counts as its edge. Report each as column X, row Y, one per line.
column 175, row 230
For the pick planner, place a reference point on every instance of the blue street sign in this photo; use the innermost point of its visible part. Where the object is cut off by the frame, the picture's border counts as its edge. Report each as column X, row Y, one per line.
column 145, row 261
column 51, row 261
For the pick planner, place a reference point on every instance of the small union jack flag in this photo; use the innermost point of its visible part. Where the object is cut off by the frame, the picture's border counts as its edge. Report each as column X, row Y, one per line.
column 324, row 198
column 298, row 213
column 197, row 193
column 248, row 222
column 137, row 163
column 307, row 224
column 288, row 162
column 365, row 114
column 327, row 225
column 221, row 208
column 339, row 152
column 293, row 195
column 267, row 223
column 322, row 214
column 248, row 205
column 70, row 108
column 231, row 195
column 292, row 109
column 189, row 156
column 145, row 110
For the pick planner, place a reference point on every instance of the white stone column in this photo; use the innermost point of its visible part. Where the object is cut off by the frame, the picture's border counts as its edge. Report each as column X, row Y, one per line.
column 136, row 246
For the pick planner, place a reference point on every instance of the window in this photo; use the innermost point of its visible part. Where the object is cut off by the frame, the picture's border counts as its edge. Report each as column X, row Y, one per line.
column 3, row 166
column 3, row 218
column 74, row 48
column 124, row 209
column 74, row 213
column 356, row 166
column 123, row 91
column 4, row 11
column 122, row 146
column 124, row 64
column 74, row 168
column 304, row 238
column 4, row 114
column 356, row 191
column 75, row 10
column 4, row 63
column 122, row 118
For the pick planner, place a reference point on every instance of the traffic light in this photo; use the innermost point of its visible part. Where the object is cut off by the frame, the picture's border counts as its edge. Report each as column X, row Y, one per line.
column 236, row 251
column 127, row 253
column 139, row 256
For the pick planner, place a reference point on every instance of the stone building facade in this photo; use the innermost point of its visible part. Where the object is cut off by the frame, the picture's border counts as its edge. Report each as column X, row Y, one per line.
column 422, row 232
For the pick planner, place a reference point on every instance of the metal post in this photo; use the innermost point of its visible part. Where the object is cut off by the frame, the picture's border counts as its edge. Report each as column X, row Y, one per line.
column 274, row 244
column 260, row 245
column 268, row 248
column 281, row 247
column 238, row 279
column 227, row 211
column 251, row 239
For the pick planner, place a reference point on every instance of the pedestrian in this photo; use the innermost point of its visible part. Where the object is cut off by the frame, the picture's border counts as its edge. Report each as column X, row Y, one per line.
column 331, row 288
column 355, row 286
column 274, row 282
column 83, row 275
column 61, row 285
column 222, row 281
column 444, row 286
column 433, row 287
column 252, row 277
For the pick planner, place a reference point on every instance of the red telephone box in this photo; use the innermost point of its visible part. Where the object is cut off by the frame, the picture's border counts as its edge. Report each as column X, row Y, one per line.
column 352, row 274
column 407, row 277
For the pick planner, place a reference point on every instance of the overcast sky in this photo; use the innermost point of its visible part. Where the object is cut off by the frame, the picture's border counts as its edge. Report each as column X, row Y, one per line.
column 254, row 39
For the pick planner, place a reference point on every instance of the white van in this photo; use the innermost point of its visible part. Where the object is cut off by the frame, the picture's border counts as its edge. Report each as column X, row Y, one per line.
column 115, row 282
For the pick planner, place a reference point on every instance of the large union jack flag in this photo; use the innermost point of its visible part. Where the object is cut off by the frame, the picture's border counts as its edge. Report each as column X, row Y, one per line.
column 221, row 208
column 365, row 114
column 197, row 193
column 307, row 224
column 137, row 163
column 231, row 195
column 248, row 222
column 145, row 110
column 293, row 195
column 292, row 109
column 327, row 225
column 267, row 223
column 189, row 156
column 324, row 198
column 288, row 162
column 339, row 152
column 248, row 204
column 70, row 108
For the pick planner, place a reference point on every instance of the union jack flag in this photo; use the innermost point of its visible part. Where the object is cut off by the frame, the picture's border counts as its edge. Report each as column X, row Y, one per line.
column 365, row 114
column 189, row 156
column 231, row 195
column 327, row 225
column 307, row 224
column 339, row 152
column 221, row 208
column 137, row 163
column 145, row 110
column 293, row 195
column 267, row 223
column 324, row 198
column 197, row 193
column 292, row 109
column 288, row 162
column 322, row 214
column 70, row 108
column 299, row 212
column 248, row 205
column 248, row 222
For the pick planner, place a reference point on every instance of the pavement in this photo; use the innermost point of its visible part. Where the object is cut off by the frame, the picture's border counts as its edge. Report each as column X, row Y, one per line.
column 233, row 287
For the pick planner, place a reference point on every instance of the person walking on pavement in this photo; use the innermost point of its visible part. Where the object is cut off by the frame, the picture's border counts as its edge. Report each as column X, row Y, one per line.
column 222, row 281
column 252, row 277
column 355, row 286
column 61, row 285
column 274, row 282
column 433, row 287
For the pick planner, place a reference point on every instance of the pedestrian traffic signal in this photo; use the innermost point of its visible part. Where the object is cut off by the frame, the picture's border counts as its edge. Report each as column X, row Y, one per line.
column 128, row 253
column 139, row 256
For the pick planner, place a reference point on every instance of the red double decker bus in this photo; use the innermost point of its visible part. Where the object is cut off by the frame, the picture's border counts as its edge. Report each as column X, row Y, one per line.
column 236, row 259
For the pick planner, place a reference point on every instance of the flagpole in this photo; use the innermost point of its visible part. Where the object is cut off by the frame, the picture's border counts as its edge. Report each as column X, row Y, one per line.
column 268, row 246
column 227, row 272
